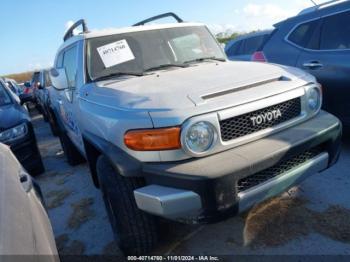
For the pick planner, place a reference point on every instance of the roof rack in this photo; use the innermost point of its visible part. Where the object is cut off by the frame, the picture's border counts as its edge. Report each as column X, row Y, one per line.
column 318, row 6
column 69, row 32
column 170, row 14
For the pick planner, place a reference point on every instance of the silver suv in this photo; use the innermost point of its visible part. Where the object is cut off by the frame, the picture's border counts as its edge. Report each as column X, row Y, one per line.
column 170, row 128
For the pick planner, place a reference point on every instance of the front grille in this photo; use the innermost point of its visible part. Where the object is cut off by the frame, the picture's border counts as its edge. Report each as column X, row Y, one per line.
column 242, row 125
column 276, row 170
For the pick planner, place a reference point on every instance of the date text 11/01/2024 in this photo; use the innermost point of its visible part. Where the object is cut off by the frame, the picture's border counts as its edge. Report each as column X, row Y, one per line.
column 173, row 258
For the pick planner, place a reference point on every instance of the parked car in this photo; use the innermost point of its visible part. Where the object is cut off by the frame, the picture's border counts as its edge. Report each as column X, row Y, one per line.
column 171, row 128
column 243, row 47
column 15, row 88
column 25, row 227
column 16, row 130
column 28, row 94
column 317, row 41
column 41, row 83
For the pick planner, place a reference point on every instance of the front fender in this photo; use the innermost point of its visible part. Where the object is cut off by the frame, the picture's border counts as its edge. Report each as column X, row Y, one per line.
column 123, row 163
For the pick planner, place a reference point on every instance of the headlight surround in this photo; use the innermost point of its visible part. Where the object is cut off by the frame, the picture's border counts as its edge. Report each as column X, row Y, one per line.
column 314, row 99
column 200, row 137
column 14, row 133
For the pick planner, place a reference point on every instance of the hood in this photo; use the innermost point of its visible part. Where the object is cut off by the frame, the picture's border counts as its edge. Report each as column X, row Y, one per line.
column 199, row 88
column 12, row 115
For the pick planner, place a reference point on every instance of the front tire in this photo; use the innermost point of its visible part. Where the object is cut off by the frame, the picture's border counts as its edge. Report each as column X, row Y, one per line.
column 134, row 230
column 73, row 156
column 52, row 122
column 38, row 168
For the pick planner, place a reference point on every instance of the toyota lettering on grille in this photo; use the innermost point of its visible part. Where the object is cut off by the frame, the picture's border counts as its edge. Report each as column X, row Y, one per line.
column 266, row 117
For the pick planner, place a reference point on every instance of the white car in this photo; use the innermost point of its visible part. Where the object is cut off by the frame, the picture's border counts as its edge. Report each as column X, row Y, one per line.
column 24, row 224
column 170, row 128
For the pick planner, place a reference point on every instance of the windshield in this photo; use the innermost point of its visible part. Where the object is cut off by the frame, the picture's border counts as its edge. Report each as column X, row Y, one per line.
column 4, row 96
column 138, row 52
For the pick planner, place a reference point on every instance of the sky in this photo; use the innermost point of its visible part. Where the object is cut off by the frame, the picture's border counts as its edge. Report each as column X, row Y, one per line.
column 32, row 30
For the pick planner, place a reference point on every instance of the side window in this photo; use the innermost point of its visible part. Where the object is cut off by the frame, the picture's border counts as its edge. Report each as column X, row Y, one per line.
column 302, row 34
column 336, row 32
column 10, row 85
column 70, row 64
column 59, row 62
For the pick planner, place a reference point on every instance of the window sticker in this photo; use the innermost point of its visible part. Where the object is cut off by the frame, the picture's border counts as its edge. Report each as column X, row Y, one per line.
column 115, row 53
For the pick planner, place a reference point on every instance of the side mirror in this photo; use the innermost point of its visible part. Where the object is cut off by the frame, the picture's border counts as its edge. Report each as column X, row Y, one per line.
column 59, row 78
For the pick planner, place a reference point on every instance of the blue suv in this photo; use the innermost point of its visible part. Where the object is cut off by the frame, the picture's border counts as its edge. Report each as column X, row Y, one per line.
column 318, row 41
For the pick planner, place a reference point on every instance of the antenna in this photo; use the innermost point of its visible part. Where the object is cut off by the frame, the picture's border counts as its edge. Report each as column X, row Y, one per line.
column 313, row 2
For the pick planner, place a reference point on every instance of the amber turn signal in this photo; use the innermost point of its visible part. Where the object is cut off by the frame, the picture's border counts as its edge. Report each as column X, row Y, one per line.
column 153, row 139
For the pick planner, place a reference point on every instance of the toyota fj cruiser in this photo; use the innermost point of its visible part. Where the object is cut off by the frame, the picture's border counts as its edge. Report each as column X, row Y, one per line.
column 170, row 128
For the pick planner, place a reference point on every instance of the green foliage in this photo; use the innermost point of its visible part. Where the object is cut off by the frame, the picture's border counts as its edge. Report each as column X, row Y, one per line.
column 223, row 39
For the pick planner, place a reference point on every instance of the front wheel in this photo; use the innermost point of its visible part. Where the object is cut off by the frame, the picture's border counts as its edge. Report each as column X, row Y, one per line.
column 134, row 230
column 52, row 122
column 38, row 168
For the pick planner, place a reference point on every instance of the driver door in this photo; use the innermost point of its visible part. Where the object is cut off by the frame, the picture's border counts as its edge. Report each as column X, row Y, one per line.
column 67, row 98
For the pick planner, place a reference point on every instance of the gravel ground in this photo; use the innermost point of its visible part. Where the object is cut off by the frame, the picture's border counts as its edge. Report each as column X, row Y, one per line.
column 310, row 219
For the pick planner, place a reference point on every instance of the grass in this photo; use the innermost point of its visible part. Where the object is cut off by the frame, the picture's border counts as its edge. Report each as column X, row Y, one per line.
column 281, row 220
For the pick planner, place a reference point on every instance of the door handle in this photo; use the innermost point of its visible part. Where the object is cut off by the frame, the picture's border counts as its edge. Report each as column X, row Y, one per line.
column 25, row 181
column 313, row 64
column 59, row 101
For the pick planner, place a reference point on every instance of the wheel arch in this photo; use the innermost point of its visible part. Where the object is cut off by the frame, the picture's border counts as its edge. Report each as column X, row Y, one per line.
column 123, row 163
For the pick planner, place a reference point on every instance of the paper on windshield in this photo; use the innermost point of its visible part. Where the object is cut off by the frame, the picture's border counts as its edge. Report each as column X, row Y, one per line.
column 115, row 53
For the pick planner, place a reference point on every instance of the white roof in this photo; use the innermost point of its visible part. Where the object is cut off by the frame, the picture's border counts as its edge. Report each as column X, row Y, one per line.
column 115, row 31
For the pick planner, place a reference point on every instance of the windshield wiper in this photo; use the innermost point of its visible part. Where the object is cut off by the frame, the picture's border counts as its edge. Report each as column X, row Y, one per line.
column 202, row 59
column 164, row 66
column 100, row 78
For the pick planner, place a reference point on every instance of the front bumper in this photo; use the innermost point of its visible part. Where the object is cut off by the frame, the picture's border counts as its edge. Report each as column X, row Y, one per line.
column 210, row 189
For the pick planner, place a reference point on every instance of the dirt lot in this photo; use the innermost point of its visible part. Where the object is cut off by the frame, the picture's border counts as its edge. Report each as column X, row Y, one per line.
column 311, row 219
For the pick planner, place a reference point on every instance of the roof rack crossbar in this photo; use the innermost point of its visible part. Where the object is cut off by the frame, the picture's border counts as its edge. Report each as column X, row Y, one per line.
column 170, row 14
column 318, row 6
column 326, row 3
column 69, row 32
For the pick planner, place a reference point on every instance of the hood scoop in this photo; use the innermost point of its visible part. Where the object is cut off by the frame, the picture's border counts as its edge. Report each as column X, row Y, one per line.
column 236, row 87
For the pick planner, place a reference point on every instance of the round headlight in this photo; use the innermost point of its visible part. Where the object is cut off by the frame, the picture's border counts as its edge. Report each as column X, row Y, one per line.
column 200, row 137
column 314, row 98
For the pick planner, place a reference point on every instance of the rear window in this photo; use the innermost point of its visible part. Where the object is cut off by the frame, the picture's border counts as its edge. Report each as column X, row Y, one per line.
column 4, row 96
column 247, row 46
column 336, row 32
column 252, row 44
column 302, row 34
column 233, row 49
